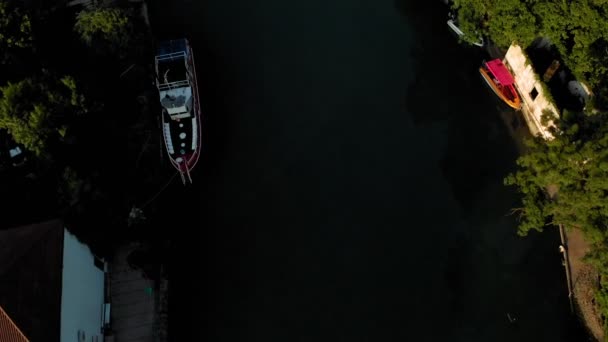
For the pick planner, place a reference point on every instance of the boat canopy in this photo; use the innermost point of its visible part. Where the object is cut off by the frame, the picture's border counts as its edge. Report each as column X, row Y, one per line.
column 169, row 47
column 500, row 71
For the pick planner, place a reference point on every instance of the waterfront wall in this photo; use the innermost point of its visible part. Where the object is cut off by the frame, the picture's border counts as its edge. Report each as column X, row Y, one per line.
column 535, row 100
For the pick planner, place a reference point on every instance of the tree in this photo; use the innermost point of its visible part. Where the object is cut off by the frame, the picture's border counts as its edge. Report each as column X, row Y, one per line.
column 471, row 17
column 38, row 111
column 500, row 20
column 109, row 27
column 565, row 182
column 575, row 166
column 577, row 28
column 15, row 29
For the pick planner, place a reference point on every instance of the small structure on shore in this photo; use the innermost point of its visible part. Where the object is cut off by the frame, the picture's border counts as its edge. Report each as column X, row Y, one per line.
column 537, row 101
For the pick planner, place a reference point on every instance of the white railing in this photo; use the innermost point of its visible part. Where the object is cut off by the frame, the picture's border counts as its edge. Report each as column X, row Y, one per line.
column 173, row 85
column 194, row 135
column 171, row 55
column 168, row 140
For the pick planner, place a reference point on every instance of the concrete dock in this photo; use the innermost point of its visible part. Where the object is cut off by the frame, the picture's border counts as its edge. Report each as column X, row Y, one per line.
column 133, row 301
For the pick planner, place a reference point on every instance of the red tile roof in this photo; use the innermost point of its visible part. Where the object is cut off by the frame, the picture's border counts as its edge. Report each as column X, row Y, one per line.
column 9, row 332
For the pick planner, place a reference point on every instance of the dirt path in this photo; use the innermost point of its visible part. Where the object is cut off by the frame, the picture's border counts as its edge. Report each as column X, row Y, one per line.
column 584, row 283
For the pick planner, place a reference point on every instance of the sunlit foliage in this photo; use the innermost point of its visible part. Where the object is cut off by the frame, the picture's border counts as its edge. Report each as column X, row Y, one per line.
column 578, row 28
column 565, row 181
column 37, row 111
column 15, row 29
column 107, row 26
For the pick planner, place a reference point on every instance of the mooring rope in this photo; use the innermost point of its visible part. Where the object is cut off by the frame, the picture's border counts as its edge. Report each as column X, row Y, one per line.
column 141, row 153
column 160, row 191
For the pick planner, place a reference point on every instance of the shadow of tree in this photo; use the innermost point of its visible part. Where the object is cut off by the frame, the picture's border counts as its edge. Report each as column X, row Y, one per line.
column 447, row 88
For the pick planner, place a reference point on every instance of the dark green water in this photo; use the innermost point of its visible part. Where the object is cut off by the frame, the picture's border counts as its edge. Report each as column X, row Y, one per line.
column 351, row 188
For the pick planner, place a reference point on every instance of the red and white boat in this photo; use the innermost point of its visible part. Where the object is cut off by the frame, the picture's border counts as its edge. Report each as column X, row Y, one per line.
column 181, row 112
column 501, row 81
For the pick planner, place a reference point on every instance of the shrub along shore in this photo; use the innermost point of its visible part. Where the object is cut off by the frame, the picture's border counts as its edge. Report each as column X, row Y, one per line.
column 563, row 181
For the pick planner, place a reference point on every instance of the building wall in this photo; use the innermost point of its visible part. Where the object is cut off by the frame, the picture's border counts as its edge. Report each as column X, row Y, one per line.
column 31, row 259
column 82, row 296
column 526, row 81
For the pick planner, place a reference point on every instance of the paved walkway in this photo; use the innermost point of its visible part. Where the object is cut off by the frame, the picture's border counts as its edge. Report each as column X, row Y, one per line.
column 132, row 301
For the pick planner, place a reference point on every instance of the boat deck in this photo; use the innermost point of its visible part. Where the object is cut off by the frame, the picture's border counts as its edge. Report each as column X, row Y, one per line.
column 183, row 135
column 176, row 79
column 173, row 70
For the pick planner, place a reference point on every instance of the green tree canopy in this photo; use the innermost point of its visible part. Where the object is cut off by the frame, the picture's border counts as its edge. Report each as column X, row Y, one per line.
column 107, row 26
column 504, row 21
column 565, row 180
column 15, row 28
column 578, row 28
column 38, row 110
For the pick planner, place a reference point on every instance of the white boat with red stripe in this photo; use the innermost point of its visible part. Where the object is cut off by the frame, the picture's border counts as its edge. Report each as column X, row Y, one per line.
column 179, row 99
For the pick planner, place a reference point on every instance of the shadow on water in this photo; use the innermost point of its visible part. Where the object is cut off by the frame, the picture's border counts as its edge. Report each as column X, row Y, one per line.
column 448, row 89
column 190, row 210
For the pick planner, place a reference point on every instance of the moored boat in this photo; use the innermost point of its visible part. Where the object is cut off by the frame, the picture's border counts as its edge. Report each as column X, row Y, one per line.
column 498, row 77
column 453, row 25
column 179, row 99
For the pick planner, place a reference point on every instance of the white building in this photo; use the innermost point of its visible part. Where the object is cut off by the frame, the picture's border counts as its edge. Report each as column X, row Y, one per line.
column 51, row 285
column 535, row 101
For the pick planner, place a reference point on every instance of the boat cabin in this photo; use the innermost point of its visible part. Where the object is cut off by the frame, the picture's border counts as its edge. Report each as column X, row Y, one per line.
column 174, row 89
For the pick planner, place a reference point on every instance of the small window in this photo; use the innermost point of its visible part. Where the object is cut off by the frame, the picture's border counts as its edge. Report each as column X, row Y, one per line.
column 534, row 93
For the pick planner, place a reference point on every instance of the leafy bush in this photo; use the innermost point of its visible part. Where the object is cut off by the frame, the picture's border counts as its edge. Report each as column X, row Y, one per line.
column 107, row 26
column 38, row 110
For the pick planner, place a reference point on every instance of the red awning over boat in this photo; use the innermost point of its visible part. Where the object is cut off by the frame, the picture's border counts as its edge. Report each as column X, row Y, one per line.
column 500, row 71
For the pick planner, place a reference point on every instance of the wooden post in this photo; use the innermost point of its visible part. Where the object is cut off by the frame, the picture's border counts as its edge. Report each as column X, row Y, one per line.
column 551, row 70
column 562, row 236
column 564, row 250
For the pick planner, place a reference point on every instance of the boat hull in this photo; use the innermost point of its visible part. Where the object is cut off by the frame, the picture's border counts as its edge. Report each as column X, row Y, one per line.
column 507, row 94
column 184, row 151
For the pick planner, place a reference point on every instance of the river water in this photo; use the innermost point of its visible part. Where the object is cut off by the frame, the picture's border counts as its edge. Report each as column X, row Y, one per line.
column 351, row 186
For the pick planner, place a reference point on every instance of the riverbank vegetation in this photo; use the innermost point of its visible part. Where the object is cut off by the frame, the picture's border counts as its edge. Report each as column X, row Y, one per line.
column 563, row 181
column 76, row 93
column 576, row 28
